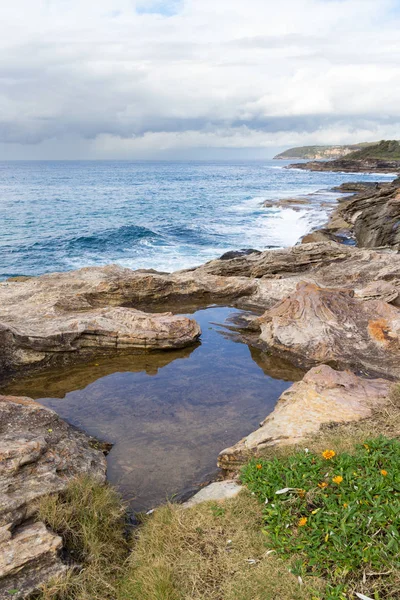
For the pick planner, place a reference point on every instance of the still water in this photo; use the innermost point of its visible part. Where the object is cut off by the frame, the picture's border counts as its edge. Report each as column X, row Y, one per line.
column 168, row 414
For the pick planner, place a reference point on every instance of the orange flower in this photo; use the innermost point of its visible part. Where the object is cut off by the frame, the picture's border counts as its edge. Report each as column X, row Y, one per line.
column 301, row 493
column 384, row 473
column 328, row 454
column 322, row 485
column 345, row 505
column 258, row 466
column 303, row 521
column 338, row 479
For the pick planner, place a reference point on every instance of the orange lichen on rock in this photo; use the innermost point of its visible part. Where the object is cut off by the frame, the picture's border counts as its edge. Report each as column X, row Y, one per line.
column 379, row 330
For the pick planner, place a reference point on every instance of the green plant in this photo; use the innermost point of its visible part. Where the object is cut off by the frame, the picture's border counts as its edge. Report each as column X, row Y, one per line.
column 338, row 513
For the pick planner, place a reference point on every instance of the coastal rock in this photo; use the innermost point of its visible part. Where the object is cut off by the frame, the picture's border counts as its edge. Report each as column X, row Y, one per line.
column 347, row 165
column 217, row 491
column 39, row 453
column 64, row 318
column 318, row 325
column 323, row 396
column 30, row 558
column 320, row 235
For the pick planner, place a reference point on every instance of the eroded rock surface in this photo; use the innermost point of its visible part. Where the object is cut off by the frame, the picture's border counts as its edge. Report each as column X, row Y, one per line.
column 39, row 454
column 66, row 317
column 28, row 559
column 330, row 325
column 323, row 396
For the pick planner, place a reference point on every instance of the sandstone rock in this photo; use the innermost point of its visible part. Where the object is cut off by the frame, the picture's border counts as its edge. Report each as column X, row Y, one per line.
column 323, row 396
column 64, row 318
column 320, row 325
column 28, row 560
column 320, row 235
column 39, row 453
column 217, row 491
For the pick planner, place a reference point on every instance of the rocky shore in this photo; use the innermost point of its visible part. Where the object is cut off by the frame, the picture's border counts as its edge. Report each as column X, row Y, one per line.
column 347, row 165
column 329, row 308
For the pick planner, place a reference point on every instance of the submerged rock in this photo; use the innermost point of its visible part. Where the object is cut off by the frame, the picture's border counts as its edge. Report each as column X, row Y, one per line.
column 39, row 454
column 323, row 396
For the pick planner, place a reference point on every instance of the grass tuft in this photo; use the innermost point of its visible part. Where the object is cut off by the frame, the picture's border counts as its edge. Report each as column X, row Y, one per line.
column 91, row 520
column 209, row 552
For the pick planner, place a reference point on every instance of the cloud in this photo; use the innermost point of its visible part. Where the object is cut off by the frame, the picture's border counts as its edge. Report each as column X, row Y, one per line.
column 125, row 78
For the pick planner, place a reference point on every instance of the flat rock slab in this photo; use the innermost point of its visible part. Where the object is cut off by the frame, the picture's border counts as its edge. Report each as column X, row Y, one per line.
column 323, row 396
column 217, row 491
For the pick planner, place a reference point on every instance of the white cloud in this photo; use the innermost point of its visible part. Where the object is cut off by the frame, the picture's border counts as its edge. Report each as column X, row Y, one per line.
column 124, row 78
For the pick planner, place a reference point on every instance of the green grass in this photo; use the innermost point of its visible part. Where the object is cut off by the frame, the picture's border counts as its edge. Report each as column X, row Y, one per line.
column 346, row 532
column 384, row 150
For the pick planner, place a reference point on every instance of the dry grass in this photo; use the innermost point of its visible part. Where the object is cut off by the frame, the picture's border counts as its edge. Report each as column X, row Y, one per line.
column 204, row 553
column 91, row 520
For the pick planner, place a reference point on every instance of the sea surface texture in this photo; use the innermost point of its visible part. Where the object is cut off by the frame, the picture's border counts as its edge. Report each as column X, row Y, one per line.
column 62, row 215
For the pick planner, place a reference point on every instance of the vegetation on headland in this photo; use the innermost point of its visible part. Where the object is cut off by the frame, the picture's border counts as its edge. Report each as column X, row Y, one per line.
column 314, row 542
column 320, row 152
column 384, row 150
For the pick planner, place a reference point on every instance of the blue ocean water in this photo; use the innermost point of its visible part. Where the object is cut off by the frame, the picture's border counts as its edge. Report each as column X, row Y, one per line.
column 61, row 215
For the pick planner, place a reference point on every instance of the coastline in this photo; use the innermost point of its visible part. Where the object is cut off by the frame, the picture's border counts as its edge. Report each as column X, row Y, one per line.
column 351, row 323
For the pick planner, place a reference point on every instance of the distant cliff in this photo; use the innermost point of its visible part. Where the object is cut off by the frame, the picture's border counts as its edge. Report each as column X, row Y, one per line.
column 382, row 157
column 319, row 152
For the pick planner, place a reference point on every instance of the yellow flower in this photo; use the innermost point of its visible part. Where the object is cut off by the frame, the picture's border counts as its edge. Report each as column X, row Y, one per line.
column 338, row 479
column 328, row 454
column 301, row 493
column 366, row 446
column 345, row 505
column 384, row 473
column 322, row 485
column 327, row 537
column 303, row 521
column 258, row 466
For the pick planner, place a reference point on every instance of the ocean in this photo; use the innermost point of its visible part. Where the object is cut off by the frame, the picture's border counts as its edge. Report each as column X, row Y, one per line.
column 62, row 215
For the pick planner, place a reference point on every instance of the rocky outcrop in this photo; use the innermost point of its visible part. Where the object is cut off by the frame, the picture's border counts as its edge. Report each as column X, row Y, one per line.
column 39, row 454
column 69, row 317
column 28, row 559
column 319, row 325
column 323, row 396
column 346, row 165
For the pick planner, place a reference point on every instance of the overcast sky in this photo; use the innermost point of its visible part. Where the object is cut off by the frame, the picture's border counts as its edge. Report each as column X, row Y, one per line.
column 195, row 78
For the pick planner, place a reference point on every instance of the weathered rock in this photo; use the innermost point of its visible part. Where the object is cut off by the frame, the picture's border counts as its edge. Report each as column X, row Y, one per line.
column 323, row 396
column 320, row 235
column 28, row 559
column 217, row 491
column 39, row 454
column 345, row 165
column 236, row 253
column 68, row 317
column 319, row 325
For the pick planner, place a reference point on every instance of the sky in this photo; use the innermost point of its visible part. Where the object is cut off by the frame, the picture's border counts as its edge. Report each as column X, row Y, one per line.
column 195, row 79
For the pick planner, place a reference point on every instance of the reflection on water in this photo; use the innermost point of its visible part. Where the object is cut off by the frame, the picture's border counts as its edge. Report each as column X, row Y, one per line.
column 169, row 414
